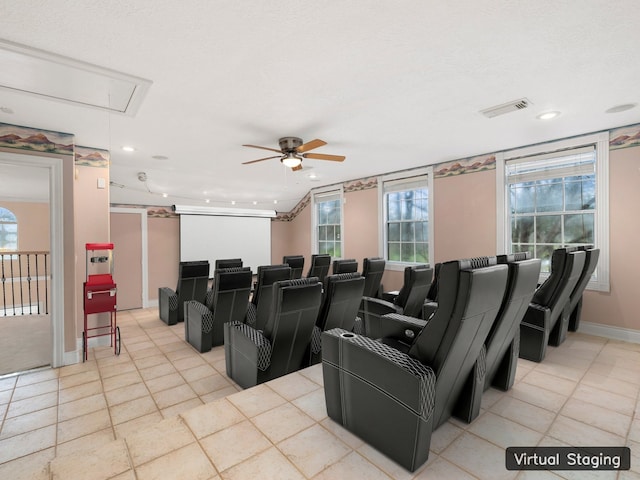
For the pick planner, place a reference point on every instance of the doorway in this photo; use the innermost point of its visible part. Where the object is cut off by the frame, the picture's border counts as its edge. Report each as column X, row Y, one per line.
column 31, row 319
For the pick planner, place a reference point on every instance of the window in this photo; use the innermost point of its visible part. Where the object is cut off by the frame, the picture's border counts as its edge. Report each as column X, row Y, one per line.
column 8, row 230
column 556, row 199
column 407, row 235
column 328, row 223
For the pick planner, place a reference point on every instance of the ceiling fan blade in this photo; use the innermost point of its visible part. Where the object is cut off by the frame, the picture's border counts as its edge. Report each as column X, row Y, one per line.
column 260, row 160
column 295, row 169
column 264, row 148
column 323, row 156
column 305, row 147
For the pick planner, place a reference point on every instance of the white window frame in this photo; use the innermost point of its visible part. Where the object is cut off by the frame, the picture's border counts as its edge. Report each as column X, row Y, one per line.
column 4, row 249
column 317, row 195
column 421, row 176
column 601, row 230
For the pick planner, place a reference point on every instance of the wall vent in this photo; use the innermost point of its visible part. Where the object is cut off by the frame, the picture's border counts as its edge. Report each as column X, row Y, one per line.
column 512, row 106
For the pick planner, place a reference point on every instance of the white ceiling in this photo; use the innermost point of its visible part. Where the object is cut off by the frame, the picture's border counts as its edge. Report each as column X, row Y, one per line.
column 390, row 84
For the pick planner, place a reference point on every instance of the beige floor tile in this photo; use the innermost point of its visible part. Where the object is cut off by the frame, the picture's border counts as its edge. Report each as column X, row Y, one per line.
column 92, row 441
column 474, row 454
column 121, row 380
column 8, row 383
column 352, row 466
column 80, row 391
column 443, row 470
column 185, row 463
column 185, row 351
column 110, row 371
column 30, row 421
column 147, row 352
column 27, row 443
column 165, row 382
column 537, row 396
column 158, row 440
column 313, row 404
column 302, row 450
column 80, row 378
column 617, row 370
column 176, row 345
column 83, row 425
column 597, row 416
column 121, row 395
column 562, row 371
column 535, row 418
column 138, row 407
column 611, row 384
column 503, row 432
column 137, row 424
column 490, row 397
column 28, row 391
column 384, row 463
column 30, row 467
column 443, row 436
column 253, row 401
column 268, row 464
column 210, row 383
column 276, row 428
column 173, row 396
column 234, row 444
column 610, row 400
column 218, row 394
column 577, row 433
column 181, row 407
column 189, row 362
column 342, row 433
column 5, row 396
column 37, row 377
column 134, row 347
column 293, row 386
column 151, row 361
column 634, row 431
column 32, row 404
column 156, row 371
column 212, row 417
column 77, row 368
column 110, row 460
column 554, row 383
column 69, row 410
column 198, row 372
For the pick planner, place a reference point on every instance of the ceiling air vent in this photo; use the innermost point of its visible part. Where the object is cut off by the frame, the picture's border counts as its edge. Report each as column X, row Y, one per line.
column 512, row 106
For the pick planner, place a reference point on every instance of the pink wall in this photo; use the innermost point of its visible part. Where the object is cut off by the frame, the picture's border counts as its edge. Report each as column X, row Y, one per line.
column 33, row 224
column 163, row 235
column 619, row 307
column 361, row 224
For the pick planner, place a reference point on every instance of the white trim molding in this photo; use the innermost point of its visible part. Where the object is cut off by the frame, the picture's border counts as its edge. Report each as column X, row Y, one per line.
column 608, row 331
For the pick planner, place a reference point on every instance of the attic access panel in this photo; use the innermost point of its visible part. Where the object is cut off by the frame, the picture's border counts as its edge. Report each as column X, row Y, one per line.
column 52, row 76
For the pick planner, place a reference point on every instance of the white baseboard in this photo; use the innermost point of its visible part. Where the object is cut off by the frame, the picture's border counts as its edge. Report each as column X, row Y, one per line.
column 75, row 356
column 607, row 331
column 153, row 303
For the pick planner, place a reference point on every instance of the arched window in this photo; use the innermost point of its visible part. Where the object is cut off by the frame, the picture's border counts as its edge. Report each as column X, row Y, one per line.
column 8, row 230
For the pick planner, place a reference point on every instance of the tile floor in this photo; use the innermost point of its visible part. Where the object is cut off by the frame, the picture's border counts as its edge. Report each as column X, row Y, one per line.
column 161, row 410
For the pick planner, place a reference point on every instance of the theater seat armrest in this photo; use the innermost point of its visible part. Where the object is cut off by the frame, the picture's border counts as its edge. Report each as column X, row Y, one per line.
column 390, row 296
column 399, row 375
column 371, row 312
column 536, row 316
column 168, row 296
column 251, row 342
column 429, row 309
column 402, row 327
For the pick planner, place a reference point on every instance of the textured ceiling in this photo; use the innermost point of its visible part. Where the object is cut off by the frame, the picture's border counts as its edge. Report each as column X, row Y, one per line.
column 391, row 85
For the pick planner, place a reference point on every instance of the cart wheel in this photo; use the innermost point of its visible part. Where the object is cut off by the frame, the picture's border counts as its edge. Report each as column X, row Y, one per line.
column 84, row 346
column 117, row 342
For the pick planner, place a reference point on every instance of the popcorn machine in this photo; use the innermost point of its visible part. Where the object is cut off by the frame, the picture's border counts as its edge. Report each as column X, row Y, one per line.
column 100, row 296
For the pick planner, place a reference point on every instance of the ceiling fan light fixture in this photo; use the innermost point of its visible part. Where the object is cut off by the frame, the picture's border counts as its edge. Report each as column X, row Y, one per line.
column 291, row 160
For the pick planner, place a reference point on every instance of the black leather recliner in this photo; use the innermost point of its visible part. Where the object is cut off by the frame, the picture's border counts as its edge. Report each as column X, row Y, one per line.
column 296, row 262
column 408, row 302
column 320, row 264
column 253, row 357
column 393, row 400
column 341, row 299
column 260, row 305
column 547, row 318
column 193, row 280
column 503, row 342
column 372, row 271
column 349, row 265
column 592, row 256
column 228, row 263
column 227, row 302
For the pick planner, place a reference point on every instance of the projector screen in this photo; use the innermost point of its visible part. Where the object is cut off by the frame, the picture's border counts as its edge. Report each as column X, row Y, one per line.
column 211, row 237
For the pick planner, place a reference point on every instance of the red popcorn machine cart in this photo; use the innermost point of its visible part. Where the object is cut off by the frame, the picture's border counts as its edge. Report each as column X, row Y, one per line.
column 100, row 296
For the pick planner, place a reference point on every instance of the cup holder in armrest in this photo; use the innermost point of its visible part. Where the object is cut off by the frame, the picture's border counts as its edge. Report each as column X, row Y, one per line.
column 347, row 335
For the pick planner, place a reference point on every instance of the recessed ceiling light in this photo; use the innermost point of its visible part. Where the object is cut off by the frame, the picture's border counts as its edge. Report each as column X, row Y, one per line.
column 312, row 176
column 165, row 195
column 547, row 115
column 207, row 201
column 275, row 202
column 127, row 148
column 6, row 110
column 233, row 202
column 621, row 108
column 255, row 203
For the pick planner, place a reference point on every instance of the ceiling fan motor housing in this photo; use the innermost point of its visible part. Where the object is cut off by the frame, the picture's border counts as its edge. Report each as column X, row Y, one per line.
column 289, row 144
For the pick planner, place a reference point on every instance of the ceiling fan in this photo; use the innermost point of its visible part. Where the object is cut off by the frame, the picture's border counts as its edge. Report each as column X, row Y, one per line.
column 292, row 151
